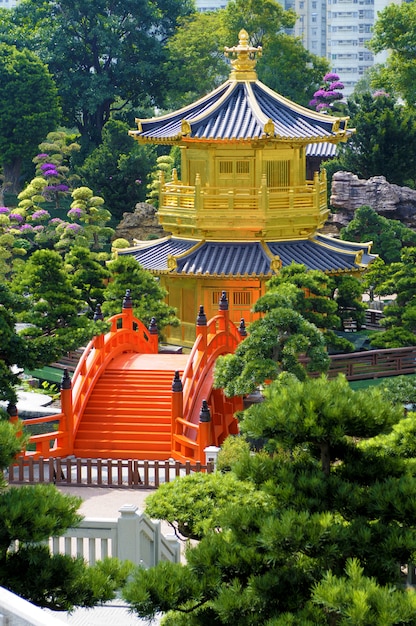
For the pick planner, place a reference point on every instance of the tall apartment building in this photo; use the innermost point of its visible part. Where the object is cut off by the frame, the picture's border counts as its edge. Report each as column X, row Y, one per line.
column 339, row 30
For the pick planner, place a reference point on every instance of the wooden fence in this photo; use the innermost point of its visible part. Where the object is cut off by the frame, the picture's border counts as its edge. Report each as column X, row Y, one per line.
column 100, row 472
column 374, row 363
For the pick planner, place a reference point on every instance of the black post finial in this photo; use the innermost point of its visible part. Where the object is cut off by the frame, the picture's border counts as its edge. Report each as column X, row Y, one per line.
column 223, row 302
column 66, row 381
column 205, row 414
column 127, row 301
column 98, row 314
column 177, row 383
column 153, row 326
column 242, row 328
column 12, row 409
column 201, row 320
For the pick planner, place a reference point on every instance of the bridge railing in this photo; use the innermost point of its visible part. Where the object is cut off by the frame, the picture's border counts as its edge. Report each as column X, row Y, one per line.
column 215, row 337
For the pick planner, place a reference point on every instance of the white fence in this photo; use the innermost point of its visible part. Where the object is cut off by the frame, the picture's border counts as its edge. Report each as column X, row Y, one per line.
column 133, row 536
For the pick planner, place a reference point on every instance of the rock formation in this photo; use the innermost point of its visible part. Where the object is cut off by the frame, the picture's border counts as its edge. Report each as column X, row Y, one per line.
column 142, row 224
column 349, row 192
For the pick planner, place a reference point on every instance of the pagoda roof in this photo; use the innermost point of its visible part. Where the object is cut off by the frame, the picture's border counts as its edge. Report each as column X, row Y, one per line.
column 187, row 257
column 243, row 109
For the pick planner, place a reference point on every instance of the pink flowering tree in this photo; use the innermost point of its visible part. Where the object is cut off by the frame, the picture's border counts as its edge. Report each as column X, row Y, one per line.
column 328, row 94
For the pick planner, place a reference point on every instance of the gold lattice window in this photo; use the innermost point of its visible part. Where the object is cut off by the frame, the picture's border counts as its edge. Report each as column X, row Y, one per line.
column 242, row 167
column 226, row 167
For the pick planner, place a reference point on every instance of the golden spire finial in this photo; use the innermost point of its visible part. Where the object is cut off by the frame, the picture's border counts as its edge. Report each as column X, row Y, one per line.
column 245, row 58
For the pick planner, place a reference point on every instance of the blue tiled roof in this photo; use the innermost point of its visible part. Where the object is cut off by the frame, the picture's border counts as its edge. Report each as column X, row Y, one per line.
column 249, row 258
column 227, row 258
column 321, row 150
column 239, row 110
column 154, row 255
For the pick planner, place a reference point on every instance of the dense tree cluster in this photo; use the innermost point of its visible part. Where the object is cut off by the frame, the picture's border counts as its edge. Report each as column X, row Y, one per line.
column 323, row 540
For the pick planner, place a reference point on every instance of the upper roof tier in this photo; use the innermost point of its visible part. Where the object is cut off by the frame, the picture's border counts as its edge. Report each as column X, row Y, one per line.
column 243, row 109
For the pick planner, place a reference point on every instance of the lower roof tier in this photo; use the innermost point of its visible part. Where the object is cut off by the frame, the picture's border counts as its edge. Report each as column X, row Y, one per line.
column 190, row 257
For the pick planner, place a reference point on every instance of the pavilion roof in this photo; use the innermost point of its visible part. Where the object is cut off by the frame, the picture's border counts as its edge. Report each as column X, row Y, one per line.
column 243, row 109
column 172, row 255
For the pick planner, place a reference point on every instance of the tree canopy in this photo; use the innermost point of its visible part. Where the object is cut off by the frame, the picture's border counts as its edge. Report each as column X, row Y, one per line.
column 28, row 113
column 32, row 514
column 285, row 65
column 384, row 143
column 394, row 31
column 396, row 280
column 388, row 236
column 328, row 550
column 102, row 54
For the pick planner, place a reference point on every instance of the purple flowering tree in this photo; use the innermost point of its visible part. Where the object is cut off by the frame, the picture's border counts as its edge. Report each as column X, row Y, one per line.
column 328, row 94
column 53, row 164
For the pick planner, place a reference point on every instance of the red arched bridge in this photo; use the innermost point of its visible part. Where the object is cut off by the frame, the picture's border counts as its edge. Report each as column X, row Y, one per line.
column 128, row 401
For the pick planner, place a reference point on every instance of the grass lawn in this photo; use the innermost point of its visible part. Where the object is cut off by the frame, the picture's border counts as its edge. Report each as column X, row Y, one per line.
column 372, row 382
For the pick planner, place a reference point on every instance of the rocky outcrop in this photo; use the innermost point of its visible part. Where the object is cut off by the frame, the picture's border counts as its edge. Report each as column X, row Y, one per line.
column 142, row 224
column 349, row 192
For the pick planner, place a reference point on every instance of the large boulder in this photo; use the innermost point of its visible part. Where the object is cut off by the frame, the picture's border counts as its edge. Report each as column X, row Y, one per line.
column 142, row 224
column 349, row 192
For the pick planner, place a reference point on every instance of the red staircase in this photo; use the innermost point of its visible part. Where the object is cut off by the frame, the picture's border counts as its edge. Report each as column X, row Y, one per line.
column 129, row 412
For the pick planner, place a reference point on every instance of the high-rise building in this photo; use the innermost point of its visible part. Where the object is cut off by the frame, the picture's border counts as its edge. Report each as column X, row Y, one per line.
column 335, row 29
column 340, row 30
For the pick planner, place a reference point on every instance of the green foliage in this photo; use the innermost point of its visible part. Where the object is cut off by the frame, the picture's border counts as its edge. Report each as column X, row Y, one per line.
column 12, row 441
column 317, row 411
column 285, row 66
column 147, row 294
column 394, row 31
column 400, row 389
column 119, row 167
column 103, row 56
column 88, row 274
column 355, row 599
column 31, row 515
column 329, row 548
column 233, row 450
column 164, row 166
column 383, row 143
column 193, row 505
column 388, row 236
column 24, row 119
column 53, row 306
column 400, row 315
column 90, row 211
column 13, row 348
column 287, row 331
column 61, row 582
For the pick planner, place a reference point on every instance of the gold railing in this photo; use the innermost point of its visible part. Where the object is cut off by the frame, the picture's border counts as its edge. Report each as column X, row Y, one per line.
column 275, row 211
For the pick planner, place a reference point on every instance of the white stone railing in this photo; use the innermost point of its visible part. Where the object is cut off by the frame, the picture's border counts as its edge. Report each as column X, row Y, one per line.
column 133, row 536
column 15, row 611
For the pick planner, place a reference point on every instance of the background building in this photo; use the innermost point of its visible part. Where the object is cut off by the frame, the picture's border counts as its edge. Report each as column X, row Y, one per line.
column 335, row 29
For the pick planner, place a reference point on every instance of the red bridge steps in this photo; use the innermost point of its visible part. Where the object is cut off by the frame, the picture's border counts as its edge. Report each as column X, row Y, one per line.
column 128, row 415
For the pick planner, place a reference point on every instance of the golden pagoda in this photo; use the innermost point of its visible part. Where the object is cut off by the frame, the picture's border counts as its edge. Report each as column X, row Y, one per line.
column 243, row 207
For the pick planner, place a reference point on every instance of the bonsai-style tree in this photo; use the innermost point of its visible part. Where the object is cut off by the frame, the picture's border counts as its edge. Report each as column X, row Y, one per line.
column 329, row 551
column 147, row 295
